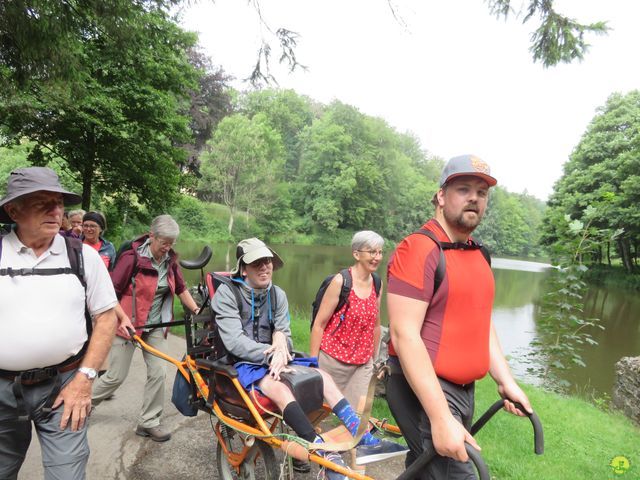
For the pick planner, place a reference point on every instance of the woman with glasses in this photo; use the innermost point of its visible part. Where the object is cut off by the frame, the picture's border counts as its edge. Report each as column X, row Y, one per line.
column 93, row 226
column 346, row 340
column 145, row 278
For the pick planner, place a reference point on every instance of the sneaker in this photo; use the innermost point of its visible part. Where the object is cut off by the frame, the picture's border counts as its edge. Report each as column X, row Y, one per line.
column 300, row 466
column 328, row 474
column 156, row 433
column 380, row 451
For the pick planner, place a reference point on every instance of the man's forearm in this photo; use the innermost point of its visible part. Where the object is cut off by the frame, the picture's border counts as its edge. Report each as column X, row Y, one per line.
column 498, row 366
column 101, row 339
column 419, row 372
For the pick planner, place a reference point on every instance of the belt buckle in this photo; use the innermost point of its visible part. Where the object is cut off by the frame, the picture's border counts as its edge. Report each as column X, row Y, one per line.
column 37, row 375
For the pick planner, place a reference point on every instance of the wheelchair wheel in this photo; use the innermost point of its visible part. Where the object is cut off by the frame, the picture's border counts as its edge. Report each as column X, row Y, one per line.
column 259, row 463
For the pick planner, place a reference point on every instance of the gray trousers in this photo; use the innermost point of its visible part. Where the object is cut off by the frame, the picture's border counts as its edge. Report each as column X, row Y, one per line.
column 416, row 428
column 119, row 363
column 64, row 453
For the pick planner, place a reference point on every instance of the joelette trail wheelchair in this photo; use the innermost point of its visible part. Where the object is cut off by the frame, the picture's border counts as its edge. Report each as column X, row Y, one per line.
column 248, row 426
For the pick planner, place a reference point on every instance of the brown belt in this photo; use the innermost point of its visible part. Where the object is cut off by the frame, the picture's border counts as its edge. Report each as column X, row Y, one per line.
column 38, row 375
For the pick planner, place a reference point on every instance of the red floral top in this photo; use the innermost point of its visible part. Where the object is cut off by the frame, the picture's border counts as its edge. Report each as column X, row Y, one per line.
column 348, row 336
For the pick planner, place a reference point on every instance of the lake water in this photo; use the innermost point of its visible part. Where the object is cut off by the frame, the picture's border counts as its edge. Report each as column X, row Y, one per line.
column 519, row 284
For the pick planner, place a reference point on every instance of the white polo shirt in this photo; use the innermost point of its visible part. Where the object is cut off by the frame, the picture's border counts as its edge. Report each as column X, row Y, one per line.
column 42, row 319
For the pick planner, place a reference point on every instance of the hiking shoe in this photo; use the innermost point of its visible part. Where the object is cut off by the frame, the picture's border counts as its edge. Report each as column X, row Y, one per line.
column 328, row 474
column 156, row 433
column 380, row 451
column 300, row 466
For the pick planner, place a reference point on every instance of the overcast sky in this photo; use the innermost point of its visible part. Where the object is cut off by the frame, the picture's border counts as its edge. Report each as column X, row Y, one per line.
column 460, row 79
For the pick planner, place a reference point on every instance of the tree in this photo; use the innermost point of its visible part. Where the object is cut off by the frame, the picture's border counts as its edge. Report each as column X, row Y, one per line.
column 117, row 118
column 602, row 179
column 288, row 113
column 358, row 173
column 240, row 166
column 209, row 104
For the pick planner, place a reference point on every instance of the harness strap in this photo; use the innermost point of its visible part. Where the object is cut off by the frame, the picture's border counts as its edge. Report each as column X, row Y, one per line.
column 24, row 272
column 21, row 407
column 53, row 394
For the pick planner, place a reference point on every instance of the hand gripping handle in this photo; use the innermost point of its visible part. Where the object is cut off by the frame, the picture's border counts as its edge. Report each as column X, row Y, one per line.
column 538, row 434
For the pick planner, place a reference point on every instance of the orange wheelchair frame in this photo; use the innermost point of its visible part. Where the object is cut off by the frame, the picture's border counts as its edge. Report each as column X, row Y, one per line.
column 256, row 427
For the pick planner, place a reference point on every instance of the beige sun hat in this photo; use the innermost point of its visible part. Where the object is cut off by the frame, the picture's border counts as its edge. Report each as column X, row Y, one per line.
column 251, row 249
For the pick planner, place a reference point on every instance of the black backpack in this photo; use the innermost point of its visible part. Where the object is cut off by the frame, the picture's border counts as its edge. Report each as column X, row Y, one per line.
column 212, row 336
column 344, row 292
column 126, row 245
column 441, row 268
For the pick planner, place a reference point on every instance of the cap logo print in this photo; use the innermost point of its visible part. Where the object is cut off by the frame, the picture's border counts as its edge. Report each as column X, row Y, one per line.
column 479, row 165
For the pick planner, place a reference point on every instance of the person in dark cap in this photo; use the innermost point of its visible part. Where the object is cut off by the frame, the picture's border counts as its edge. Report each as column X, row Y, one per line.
column 48, row 355
column 93, row 226
column 257, row 335
column 439, row 297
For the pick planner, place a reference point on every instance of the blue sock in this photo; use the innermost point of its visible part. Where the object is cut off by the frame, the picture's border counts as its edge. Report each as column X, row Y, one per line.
column 350, row 419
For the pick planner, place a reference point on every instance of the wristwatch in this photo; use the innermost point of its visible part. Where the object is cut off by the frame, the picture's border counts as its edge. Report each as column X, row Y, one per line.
column 89, row 372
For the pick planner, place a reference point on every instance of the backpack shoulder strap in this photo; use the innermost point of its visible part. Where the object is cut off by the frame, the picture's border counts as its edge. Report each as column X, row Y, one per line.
column 273, row 300
column 377, row 283
column 76, row 259
column 232, row 286
column 486, row 254
column 441, row 268
column 347, row 283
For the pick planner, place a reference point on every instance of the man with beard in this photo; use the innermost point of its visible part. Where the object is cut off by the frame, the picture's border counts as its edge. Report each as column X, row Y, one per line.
column 442, row 336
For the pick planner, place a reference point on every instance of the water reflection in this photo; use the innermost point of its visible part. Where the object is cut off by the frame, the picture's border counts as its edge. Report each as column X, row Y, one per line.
column 519, row 285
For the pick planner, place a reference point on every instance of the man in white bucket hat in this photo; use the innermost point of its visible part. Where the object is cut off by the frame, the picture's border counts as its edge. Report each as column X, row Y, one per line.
column 50, row 287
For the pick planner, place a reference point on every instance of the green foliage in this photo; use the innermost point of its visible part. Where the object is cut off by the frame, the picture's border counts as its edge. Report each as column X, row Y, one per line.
column 599, row 186
column 10, row 159
column 512, row 223
column 558, row 38
column 562, row 328
column 288, row 113
column 242, row 163
column 114, row 122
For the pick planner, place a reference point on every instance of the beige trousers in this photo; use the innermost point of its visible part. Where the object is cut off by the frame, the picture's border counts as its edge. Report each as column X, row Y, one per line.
column 119, row 363
column 352, row 380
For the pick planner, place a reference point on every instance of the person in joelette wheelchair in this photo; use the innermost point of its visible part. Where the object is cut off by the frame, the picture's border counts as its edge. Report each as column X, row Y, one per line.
column 259, row 342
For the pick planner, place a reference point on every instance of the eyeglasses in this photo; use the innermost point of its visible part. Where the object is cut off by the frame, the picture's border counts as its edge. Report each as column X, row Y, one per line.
column 261, row 261
column 372, row 253
column 165, row 243
column 90, row 226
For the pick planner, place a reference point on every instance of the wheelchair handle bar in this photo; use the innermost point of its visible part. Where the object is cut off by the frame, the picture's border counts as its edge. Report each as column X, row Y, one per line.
column 199, row 262
column 538, row 434
column 416, row 467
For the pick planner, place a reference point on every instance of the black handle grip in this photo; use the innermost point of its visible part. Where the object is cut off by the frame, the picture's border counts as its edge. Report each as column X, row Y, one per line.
column 476, row 458
column 538, row 433
column 131, row 332
column 416, row 467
